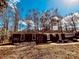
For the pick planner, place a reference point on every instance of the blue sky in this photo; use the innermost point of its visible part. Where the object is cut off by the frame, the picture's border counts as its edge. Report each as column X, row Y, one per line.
column 64, row 8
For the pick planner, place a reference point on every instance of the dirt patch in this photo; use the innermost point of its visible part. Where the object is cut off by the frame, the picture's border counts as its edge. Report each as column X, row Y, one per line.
column 45, row 51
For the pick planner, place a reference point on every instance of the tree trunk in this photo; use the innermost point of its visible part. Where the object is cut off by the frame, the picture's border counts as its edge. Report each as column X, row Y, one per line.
column 16, row 20
column 74, row 24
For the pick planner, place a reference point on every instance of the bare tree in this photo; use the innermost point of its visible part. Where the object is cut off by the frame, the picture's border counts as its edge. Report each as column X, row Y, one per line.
column 35, row 19
column 3, row 5
column 74, row 24
column 16, row 19
column 6, row 23
column 45, row 20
